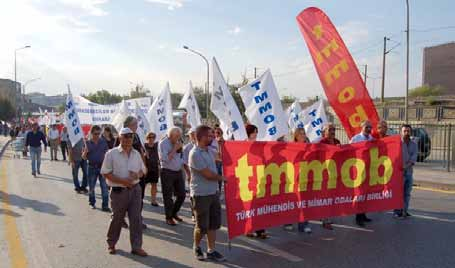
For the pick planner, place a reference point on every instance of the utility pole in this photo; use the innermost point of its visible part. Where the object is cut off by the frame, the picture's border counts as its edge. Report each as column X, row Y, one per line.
column 365, row 75
column 383, row 68
column 255, row 72
column 407, row 63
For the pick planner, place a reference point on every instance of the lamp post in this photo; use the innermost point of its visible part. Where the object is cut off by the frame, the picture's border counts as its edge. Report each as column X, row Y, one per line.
column 208, row 77
column 15, row 76
column 28, row 82
column 407, row 63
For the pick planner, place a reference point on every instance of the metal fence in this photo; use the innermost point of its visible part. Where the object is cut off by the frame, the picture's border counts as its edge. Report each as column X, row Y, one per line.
column 436, row 143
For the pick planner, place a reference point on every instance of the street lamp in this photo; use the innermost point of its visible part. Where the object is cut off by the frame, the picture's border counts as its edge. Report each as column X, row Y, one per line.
column 208, row 75
column 15, row 64
column 15, row 74
column 28, row 82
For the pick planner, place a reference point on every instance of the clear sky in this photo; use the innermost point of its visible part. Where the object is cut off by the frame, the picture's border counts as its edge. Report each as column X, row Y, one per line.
column 106, row 44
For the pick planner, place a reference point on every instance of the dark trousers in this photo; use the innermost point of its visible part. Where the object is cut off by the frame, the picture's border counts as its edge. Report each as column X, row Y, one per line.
column 64, row 148
column 360, row 217
column 172, row 183
column 126, row 200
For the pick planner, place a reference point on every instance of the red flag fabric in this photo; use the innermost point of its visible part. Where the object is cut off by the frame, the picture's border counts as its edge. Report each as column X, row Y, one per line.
column 340, row 78
column 275, row 183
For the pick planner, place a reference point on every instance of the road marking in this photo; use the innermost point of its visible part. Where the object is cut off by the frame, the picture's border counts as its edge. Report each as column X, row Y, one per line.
column 16, row 250
column 271, row 249
column 433, row 190
column 346, row 227
column 427, row 218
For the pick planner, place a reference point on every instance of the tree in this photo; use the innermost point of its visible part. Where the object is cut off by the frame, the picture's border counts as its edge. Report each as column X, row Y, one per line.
column 61, row 108
column 139, row 91
column 7, row 111
column 175, row 99
column 426, row 91
column 103, row 97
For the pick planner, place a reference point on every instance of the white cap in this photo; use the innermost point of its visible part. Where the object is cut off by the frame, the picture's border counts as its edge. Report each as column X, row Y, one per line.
column 125, row 131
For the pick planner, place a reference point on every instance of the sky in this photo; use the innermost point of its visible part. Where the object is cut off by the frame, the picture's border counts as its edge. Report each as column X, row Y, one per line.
column 112, row 44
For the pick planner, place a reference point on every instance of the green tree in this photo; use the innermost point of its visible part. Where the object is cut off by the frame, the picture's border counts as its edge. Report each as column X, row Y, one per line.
column 61, row 108
column 103, row 97
column 7, row 111
column 139, row 91
column 426, row 91
column 175, row 99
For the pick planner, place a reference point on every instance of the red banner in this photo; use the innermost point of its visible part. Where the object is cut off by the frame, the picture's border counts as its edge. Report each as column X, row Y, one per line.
column 344, row 88
column 275, row 183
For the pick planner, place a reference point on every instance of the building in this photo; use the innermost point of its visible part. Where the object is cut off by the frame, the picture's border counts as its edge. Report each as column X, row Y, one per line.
column 8, row 91
column 439, row 67
column 42, row 99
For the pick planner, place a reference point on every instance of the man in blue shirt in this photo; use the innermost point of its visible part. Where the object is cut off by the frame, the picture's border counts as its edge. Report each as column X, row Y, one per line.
column 364, row 135
column 172, row 182
column 33, row 140
column 94, row 152
column 409, row 154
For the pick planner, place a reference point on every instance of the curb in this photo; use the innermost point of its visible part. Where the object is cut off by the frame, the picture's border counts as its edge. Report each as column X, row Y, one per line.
column 4, row 147
column 434, row 185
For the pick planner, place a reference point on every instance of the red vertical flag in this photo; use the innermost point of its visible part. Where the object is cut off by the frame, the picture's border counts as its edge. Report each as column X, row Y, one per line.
column 337, row 71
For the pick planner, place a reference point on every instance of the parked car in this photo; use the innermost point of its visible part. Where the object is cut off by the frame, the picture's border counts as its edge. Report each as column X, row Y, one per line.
column 421, row 137
column 423, row 140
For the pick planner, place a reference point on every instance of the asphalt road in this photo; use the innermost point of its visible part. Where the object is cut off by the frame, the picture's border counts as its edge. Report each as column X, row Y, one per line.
column 44, row 223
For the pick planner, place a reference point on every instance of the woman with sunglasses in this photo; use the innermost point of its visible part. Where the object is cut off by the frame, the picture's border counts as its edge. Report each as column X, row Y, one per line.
column 152, row 163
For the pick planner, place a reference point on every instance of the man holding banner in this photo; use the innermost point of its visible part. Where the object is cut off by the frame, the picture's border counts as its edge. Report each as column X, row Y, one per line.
column 204, row 191
column 365, row 135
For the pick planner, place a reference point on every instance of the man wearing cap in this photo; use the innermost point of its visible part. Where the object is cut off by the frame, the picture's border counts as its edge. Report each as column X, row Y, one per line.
column 122, row 167
column 172, row 182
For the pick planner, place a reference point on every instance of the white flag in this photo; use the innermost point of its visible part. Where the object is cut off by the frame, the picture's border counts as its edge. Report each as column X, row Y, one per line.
column 225, row 108
column 120, row 115
column 143, row 126
column 189, row 103
column 263, row 108
column 314, row 119
column 293, row 113
column 159, row 115
column 72, row 120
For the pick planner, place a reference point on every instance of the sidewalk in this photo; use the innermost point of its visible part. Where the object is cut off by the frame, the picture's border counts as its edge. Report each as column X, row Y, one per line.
column 3, row 142
column 427, row 177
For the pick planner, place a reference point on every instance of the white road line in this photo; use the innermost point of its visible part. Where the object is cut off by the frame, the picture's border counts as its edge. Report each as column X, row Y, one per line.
column 346, row 227
column 270, row 249
column 429, row 218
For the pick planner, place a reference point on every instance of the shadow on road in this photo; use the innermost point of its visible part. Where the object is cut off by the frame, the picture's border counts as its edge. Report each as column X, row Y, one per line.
column 36, row 205
column 152, row 261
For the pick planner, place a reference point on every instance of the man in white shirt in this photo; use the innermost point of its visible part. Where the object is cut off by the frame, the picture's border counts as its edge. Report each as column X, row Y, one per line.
column 122, row 167
column 364, row 135
column 53, row 137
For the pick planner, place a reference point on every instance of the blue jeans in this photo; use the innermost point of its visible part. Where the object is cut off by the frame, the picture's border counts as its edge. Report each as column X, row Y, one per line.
column 83, row 165
column 407, row 181
column 35, row 156
column 93, row 175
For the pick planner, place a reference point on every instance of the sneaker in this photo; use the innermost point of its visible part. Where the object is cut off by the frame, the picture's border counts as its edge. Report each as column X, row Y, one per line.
column 93, row 206
column 307, row 230
column 33, row 174
column 360, row 223
column 288, row 227
column 198, row 254
column 144, row 226
column 39, row 172
column 177, row 218
column 155, row 204
column 397, row 215
column 124, row 224
column 408, row 215
column 215, row 256
column 84, row 190
column 106, row 209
